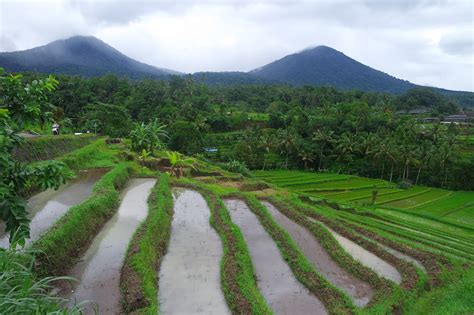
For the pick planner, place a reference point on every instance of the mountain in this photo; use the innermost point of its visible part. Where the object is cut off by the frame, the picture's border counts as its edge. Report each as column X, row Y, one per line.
column 230, row 78
column 78, row 55
column 326, row 66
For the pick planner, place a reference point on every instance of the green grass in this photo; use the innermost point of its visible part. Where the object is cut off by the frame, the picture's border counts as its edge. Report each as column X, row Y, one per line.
column 455, row 297
column 60, row 246
column 145, row 251
column 449, row 206
column 98, row 154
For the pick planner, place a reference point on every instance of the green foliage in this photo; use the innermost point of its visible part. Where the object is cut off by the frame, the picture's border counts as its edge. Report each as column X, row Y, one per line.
column 49, row 147
column 22, row 293
column 26, row 103
column 185, row 137
column 235, row 166
column 179, row 163
column 148, row 137
column 59, row 247
column 151, row 240
column 107, row 119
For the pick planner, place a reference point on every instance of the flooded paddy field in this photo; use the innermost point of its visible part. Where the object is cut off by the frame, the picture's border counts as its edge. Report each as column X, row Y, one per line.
column 358, row 290
column 283, row 293
column 189, row 278
column 98, row 271
column 46, row 207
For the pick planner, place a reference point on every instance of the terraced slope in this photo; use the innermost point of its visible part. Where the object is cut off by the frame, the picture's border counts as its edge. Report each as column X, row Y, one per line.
column 455, row 207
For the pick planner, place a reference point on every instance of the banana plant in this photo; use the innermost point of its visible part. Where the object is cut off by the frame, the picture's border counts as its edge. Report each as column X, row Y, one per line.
column 178, row 163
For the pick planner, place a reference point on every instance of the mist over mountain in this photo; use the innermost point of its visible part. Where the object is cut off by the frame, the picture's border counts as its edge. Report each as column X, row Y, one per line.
column 322, row 65
column 79, row 55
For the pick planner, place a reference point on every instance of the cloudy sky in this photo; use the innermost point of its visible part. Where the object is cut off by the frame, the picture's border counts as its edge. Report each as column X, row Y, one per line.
column 428, row 42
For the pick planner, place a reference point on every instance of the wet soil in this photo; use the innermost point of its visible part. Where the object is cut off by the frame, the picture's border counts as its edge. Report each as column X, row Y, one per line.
column 189, row 279
column 45, row 208
column 283, row 293
column 368, row 259
column 98, row 271
column 358, row 290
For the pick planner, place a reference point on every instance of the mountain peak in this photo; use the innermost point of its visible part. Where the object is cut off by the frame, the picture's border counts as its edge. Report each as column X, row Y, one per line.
column 323, row 65
column 79, row 55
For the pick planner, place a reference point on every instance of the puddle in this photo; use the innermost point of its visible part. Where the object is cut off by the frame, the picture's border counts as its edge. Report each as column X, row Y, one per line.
column 98, row 271
column 283, row 293
column 358, row 290
column 366, row 258
column 402, row 256
column 189, row 279
column 45, row 208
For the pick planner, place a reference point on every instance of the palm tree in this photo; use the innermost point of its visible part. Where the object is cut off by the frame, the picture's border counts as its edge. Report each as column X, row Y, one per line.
column 306, row 156
column 286, row 141
column 346, row 147
column 322, row 136
column 267, row 143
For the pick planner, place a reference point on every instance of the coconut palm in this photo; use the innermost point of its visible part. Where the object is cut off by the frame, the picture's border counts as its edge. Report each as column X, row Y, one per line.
column 323, row 137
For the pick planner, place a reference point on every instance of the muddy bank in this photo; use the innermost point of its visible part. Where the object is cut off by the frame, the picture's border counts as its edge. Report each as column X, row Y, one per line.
column 360, row 292
column 189, row 279
column 283, row 293
column 368, row 259
column 45, row 208
column 98, row 271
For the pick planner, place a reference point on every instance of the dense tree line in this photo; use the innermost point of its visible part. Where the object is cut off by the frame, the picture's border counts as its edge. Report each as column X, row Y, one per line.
column 310, row 127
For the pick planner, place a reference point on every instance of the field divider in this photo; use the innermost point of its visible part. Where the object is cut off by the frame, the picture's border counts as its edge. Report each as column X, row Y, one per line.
column 404, row 197
column 59, row 248
column 335, row 300
column 139, row 276
column 238, row 278
column 430, row 201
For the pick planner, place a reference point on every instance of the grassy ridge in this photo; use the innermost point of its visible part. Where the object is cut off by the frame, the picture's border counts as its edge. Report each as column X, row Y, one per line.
column 64, row 242
column 336, row 301
column 237, row 274
column 49, row 147
column 139, row 278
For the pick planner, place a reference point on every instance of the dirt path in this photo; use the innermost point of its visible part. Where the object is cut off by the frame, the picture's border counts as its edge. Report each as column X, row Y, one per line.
column 283, row 293
column 98, row 271
column 190, row 272
column 358, row 290
column 45, row 208
column 368, row 259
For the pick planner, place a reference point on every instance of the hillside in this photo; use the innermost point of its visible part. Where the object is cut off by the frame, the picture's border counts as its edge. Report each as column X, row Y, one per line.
column 326, row 66
column 79, row 55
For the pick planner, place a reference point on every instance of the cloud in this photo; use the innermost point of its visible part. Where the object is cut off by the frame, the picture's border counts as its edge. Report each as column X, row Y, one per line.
column 426, row 42
column 458, row 44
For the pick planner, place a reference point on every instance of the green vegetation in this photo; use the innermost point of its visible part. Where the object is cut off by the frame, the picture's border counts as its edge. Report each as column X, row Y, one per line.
column 21, row 292
column 61, row 245
column 49, row 147
column 147, row 248
column 437, row 203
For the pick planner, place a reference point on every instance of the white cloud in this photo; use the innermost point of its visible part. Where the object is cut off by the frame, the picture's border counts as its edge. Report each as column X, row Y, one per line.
column 426, row 42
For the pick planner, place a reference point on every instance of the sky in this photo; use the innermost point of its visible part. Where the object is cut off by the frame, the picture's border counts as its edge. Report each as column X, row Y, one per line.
column 426, row 42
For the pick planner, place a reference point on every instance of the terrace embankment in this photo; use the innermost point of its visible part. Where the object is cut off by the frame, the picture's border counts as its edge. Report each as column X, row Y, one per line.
column 189, row 279
column 358, row 290
column 98, row 271
column 365, row 257
column 46, row 207
column 283, row 293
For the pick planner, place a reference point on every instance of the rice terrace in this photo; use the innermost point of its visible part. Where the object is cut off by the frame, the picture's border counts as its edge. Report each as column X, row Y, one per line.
column 312, row 184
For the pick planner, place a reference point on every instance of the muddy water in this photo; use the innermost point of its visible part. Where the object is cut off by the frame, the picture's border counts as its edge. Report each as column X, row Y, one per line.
column 189, row 279
column 283, row 293
column 98, row 271
column 402, row 256
column 359, row 291
column 45, row 208
column 366, row 258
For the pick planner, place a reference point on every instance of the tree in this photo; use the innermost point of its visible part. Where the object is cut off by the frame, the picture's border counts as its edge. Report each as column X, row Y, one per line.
column 108, row 119
column 286, row 141
column 185, row 137
column 323, row 137
column 15, row 177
